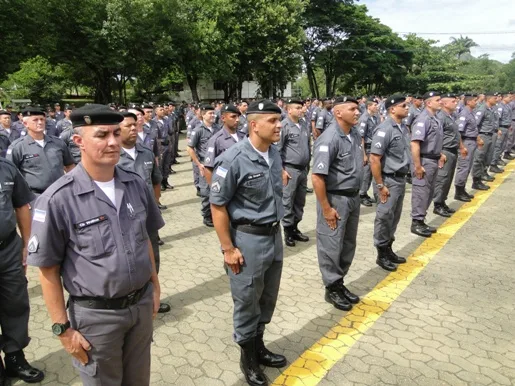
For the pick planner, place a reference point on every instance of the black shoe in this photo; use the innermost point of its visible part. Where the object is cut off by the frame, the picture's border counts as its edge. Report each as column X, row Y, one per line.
column 164, row 308
column 266, row 357
column 309, row 190
column 419, row 228
column 409, row 179
column 209, row 222
column 198, row 192
column 16, row 366
column 450, row 210
column 383, row 261
column 365, row 201
column 3, row 376
column 430, row 228
column 496, row 169
column 249, row 364
column 392, row 256
column 471, row 196
column 161, row 206
column 353, row 298
column 478, row 185
column 440, row 211
column 488, row 178
column 372, row 200
column 508, row 156
column 289, row 240
column 163, row 187
column 501, row 163
column 299, row 236
column 334, row 296
column 461, row 194
column 160, row 242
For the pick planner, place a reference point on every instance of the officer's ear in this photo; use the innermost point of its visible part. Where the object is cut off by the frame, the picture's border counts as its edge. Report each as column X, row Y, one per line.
column 78, row 140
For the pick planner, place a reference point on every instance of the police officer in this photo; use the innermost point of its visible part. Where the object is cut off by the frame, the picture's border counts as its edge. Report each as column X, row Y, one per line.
column 15, row 197
column 5, row 126
column 324, row 117
column 487, row 123
column 367, row 124
column 59, row 115
column 313, row 115
column 469, row 136
column 99, row 210
column 414, row 110
column 223, row 139
column 194, row 122
column 337, row 175
column 161, row 125
column 510, row 142
column 426, row 150
column 504, row 111
column 390, row 156
column 246, row 205
column 173, row 123
column 452, row 145
column 41, row 159
column 295, row 149
column 4, row 145
column 197, row 149
column 67, row 137
column 65, row 122
column 243, row 124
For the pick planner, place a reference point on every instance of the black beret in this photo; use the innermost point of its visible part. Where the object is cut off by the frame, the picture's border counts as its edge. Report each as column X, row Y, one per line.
column 264, row 107
column 206, row 107
column 30, row 111
column 127, row 114
column 371, row 100
column 430, row 94
column 137, row 109
column 230, row 109
column 470, row 95
column 146, row 106
column 416, row 96
column 4, row 112
column 449, row 95
column 94, row 114
column 394, row 100
column 345, row 99
column 490, row 93
column 295, row 101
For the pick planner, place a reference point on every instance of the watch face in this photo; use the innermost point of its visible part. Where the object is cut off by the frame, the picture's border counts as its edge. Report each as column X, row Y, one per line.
column 57, row 329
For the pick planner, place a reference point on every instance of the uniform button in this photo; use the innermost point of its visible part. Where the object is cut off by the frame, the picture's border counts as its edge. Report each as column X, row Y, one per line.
column 129, row 252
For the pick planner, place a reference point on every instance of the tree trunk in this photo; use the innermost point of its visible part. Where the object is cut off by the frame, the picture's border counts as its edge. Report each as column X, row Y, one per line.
column 313, row 87
column 103, row 87
column 192, row 80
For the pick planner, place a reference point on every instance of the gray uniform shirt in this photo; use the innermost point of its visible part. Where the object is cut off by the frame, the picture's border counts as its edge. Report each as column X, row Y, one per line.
column 451, row 134
column 102, row 249
column 144, row 165
column 66, row 136
column 192, row 125
column 339, row 158
column 4, row 144
column 247, row 186
column 40, row 166
column 512, row 104
column 504, row 111
column 199, row 138
column 218, row 143
column 294, row 145
column 429, row 131
column 392, row 142
column 62, row 125
column 413, row 113
column 14, row 193
column 243, row 124
column 467, row 124
column 12, row 135
column 324, row 119
column 366, row 126
column 486, row 119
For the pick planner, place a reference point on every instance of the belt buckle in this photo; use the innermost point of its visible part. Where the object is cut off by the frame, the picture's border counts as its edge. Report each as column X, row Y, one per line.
column 130, row 298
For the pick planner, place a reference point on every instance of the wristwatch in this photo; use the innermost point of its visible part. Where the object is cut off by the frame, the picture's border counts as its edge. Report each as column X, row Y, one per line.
column 59, row 328
column 380, row 186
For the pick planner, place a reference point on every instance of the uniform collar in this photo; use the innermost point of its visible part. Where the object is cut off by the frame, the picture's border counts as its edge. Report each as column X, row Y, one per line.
column 83, row 183
column 30, row 140
column 253, row 154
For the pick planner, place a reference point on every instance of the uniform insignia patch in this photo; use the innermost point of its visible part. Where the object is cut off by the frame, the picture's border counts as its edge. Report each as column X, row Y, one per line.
column 96, row 220
column 87, row 119
column 378, row 145
column 320, row 166
column 39, row 215
column 420, row 124
column 418, row 132
column 222, row 172
column 215, row 187
column 478, row 113
column 323, row 149
column 9, row 151
column 462, row 118
column 208, row 160
column 210, row 149
column 363, row 124
column 33, row 244
column 381, row 134
column 261, row 105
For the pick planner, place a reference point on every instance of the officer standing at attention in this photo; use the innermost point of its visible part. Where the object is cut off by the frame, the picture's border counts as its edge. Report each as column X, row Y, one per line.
column 194, row 122
column 426, row 150
column 197, row 149
column 452, row 145
column 246, row 195
column 390, row 157
column 15, row 197
column 295, row 150
column 504, row 112
column 67, row 136
column 4, row 145
column 243, row 124
column 312, row 117
column 337, row 174
column 160, row 125
column 414, row 110
column 367, row 124
column 487, row 123
column 5, row 126
column 58, row 113
column 324, row 117
column 65, row 122
column 90, row 234
column 222, row 139
column 469, row 137
column 138, row 159
column 41, row 159
column 511, row 133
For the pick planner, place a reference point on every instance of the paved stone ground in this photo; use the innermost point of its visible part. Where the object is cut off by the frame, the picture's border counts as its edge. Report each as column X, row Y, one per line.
column 454, row 325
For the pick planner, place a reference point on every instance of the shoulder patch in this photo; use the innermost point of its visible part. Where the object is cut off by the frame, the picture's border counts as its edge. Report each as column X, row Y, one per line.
column 33, row 245
column 222, row 172
column 323, row 149
column 215, row 187
column 420, row 124
column 462, row 118
column 381, row 134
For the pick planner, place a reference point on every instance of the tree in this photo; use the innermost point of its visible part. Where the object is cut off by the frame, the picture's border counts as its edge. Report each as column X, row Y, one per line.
column 462, row 45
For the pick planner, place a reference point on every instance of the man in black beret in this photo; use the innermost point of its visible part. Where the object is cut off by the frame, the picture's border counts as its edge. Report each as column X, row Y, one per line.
column 90, row 234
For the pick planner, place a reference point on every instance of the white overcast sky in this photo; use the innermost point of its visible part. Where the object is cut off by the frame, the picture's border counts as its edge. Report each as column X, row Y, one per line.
column 470, row 17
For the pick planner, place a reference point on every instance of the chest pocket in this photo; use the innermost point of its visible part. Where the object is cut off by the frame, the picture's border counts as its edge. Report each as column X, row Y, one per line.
column 345, row 159
column 6, row 194
column 32, row 161
column 255, row 188
column 95, row 241
column 293, row 138
column 138, row 224
column 55, row 156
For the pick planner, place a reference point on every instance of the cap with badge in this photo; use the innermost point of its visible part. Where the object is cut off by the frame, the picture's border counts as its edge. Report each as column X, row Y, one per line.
column 394, row 100
column 95, row 114
column 449, row 95
column 371, row 100
column 127, row 114
column 263, row 107
column 490, row 94
column 430, row 94
column 206, row 107
column 470, row 95
column 344, row 99
column 139, row 109
column 5, row 112
column 294, row 101
column 30, row 111
column 230, row 109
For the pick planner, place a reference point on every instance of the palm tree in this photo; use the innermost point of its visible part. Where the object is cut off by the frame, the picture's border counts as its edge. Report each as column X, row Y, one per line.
column 462, row 45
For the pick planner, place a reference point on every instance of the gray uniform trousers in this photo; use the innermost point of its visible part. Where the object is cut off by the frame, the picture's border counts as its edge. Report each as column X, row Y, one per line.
column 422, row 190
column 500, row 143
column 388, row 214
column 254, row 290
column 465, row 164
column 173, row 145
column 444, row 178
column 205, row 190
column 367, row 177
column 294, row 196
column 120, row 343
column 480, row 157
column 510, row 143
column 196, row 175
column 166, row 161
column 491, row 151
column 14, row 298
column 336, row 248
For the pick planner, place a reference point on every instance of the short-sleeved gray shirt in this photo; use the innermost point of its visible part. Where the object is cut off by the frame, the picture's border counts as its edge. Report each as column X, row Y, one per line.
column 451, row 133
column 486, row 119
column 429, row 131
column 294, row 145
column 392, row 142
column 467, row 124
column 219, row 143
column 144, row 165
column 366, row 126
column 324, row 119
column 199, row 138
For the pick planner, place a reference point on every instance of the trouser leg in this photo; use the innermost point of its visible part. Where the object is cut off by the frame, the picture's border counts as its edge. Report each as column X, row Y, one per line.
column 444, row 178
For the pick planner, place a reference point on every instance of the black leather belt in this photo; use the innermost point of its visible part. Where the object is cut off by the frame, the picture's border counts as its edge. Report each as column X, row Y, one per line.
column 396, row 175
column 453, row 151
column 487, row 134
column 471, row 138
column 5, row 242
column 430, row 156
column 98, row 303
column 258, row 229
column 301, row 168
column 344, row 192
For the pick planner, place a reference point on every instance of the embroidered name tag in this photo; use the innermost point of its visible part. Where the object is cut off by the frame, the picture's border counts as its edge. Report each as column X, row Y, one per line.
column 90, row 222
column 30, row 156
column 254, row 176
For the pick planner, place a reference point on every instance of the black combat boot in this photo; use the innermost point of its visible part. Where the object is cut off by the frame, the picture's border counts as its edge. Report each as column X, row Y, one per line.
column 448, row 209
column 393, row 257
column 354, row 299
column 419, row 228
column 266, row 357
column 16, row 366
column 383, row 260
column 488, row 178
column 460, row 194
column 478, row 184
column 298, row 235
column 249, row 364
column 334, row 296
column 365, row 200
column 496, row 169
column 440, row 210
column 289, row 240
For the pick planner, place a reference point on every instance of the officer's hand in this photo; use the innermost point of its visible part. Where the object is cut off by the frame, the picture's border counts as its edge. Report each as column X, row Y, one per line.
column 156, row 297
column 365, row 160
column 286, row 177
column 331, row 217
column 24, row 255
column 442, row 161
column 499, row 133
column 73, row 342
column 384, row 193
column 480, row 142
column 419, row 172
column 234, row 259
column 201, row 170
column 464, row 152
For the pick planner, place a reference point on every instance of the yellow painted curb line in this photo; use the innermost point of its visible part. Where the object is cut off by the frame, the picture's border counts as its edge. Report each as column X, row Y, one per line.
column 313, row 365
